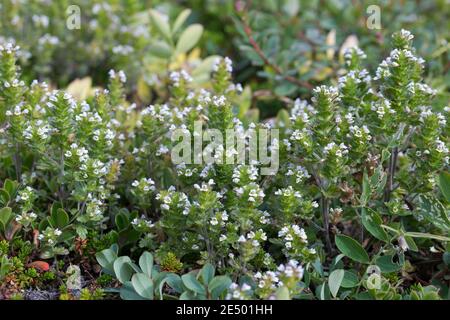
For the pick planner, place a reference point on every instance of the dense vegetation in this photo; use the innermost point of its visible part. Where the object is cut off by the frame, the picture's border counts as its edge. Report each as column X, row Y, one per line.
column 92, row 205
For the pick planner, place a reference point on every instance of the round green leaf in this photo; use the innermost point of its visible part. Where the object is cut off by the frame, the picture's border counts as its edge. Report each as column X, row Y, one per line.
column 191, row 282
column 123, row 269
column 143, row 285
column 218, row 285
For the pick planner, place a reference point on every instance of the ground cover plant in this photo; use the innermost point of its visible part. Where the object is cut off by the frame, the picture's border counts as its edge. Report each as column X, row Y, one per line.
column 93, row 204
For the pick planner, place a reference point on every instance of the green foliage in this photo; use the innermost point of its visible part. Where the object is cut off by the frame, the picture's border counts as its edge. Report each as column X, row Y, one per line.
column 357, row 208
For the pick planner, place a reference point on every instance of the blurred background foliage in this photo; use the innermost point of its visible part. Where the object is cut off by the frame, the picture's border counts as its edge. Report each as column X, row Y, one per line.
column 280, row 48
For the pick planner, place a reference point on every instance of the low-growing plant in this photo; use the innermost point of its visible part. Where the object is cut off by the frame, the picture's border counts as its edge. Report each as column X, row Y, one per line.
column 360, row 196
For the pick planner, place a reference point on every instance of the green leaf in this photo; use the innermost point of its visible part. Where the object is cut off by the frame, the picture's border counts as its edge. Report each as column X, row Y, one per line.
column 191, row 282
column 160, row 49
column 127, row 292
column 207, row 273
column 146, row 263
column 59, row 218
column 106, row 259
column 174, row 281
column 205, row 66
column 188, row 295
column 335, row 280
column 189, row 38
column 372, row 222
column 351, row 248
column 161, row 25
column 4, row 197
column 5, row 216
column 143, row 285
column 411, row 244
column 182, row 17
column 218, row 285
column 444, row 184
column 123, row 269
column 282, row 293
column 350, row 279
column 386, row 264
column 11, row 187
column 122, row 221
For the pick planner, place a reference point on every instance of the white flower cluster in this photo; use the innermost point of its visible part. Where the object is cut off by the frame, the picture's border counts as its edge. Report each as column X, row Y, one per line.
column 413, row 87
column 356, row 77
column 38, row 130
column 107, row 134
column 161, row 114
column 144, row 185
column 290, row 233
column 334, row 149
column 94, row 208
column 50, row 235
column 272, row 279
column 142, row 223
column 120, row 75
column 14, row 84
column 254, row 237
column 441, row 146
column 237, row 292
column 252, row 191
column 248, row 171
column 26, row 218
column 227, row 62
column 427, row 112
column 300, row 173
column 69, row 99
column 48, row 39
column 222, row 218
column 172, row 199
column 350, row 52
column 329, row 92
column 122, row 50
column 25, row 194
column 406, row 34
column 176, row 76
column 183, row 170
column 80, row 152
column 18, row 111
column 205, row 187
column 219, row 101
column 382, row 108
column 288, row 192
column 8, row 48
column 393, row 62
column 360, row 133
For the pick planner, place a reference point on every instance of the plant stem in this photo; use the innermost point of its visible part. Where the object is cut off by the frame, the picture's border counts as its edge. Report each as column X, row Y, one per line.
column 17, row 163
column 391, row 174
column 326, row 221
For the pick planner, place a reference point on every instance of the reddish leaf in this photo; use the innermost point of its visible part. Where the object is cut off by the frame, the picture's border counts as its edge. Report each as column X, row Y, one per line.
column 41, row 266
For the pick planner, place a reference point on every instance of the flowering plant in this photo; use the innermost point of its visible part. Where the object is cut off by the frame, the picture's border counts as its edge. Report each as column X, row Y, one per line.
column 361, row 189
